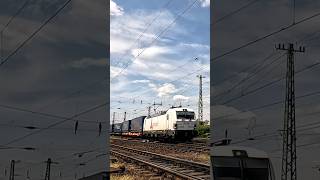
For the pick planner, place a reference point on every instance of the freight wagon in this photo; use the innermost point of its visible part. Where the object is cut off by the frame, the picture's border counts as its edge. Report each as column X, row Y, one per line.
column 116, row 129
column 173, row 124
column 136, row 126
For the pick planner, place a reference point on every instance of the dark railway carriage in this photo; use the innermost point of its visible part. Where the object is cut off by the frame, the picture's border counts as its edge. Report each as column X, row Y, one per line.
column 137, row 126
column 126, row 127
column 117, row 129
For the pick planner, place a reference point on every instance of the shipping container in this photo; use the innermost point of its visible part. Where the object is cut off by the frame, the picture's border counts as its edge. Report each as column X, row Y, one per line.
column 126, row 126
column 117, row 128
column 137, row 124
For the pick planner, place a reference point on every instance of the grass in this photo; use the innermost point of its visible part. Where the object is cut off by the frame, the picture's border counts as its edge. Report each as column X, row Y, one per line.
column 126, row 175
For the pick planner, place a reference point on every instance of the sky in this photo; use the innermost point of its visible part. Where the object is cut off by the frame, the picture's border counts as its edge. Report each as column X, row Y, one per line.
column 244, row 101
column 61, row 72
column 157, row 49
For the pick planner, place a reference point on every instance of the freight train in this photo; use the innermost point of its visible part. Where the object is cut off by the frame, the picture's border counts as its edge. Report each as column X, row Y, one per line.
column 173, row 124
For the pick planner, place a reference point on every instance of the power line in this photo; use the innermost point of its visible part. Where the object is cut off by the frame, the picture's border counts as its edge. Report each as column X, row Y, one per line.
column 24, row 5
column 247, row 68
column 158, row 36
column 8, row 23
column 34, row 33
column 268, row 84
column 147, row 27
column 299, row 127
column 257, row 70
column 56, row 123
column 264, row 37
column 42, row 113
column 267, row 105
column 235, row 12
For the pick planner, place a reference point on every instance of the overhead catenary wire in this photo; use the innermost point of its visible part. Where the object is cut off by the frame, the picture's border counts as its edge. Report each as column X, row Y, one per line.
column 56, row 123
column 267, row 84
column 234, row 75
column 22, row 7
column 266, row 105
column 6, row 59
column 146, row 28
column 157, row 37
column 300, row 128
column 218, row 57
column 257, row 70
column 219, row 20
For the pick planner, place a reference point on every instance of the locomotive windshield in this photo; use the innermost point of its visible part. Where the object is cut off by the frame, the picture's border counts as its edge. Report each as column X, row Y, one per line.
column 231, row 168
column 185, row 115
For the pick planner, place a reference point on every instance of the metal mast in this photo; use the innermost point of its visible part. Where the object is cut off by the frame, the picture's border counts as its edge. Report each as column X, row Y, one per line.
column 11, row 177
column 200, row 103
column 47, row 177
column 289, row 153
column 48, row 169
column 113, row 119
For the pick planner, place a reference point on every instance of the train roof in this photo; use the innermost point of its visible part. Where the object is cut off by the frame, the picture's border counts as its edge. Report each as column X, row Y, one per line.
column 172, row 109
column 181, row 109
column 230, row 151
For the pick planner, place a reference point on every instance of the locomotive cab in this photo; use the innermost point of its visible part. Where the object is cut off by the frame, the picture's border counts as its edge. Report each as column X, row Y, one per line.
column 175, row 123
column 240, row 163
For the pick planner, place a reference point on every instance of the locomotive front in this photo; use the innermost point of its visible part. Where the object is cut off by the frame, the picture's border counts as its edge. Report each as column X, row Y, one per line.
column 185, row 123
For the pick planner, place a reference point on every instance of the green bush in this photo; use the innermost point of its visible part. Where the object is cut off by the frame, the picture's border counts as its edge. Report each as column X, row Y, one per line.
column 203, row 130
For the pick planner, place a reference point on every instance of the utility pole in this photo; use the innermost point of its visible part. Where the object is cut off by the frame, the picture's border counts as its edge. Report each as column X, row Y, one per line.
column 47, row 177
column 156, row 104
column 49, row 162
column 289, row 153
column 124, row 116
column 200, row 103
column 11, row 177
column 149, row 111
column 113, row 118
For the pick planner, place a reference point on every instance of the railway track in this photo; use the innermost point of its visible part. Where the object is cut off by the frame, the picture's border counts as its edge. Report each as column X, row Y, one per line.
column 179, row 147
column 162, row 166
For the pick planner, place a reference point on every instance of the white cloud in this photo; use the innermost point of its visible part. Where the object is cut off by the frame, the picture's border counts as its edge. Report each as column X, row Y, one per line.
column 205, row 3
column 163, row 90
column 180, row 97
column 126, row 29
column 115, row 71
column 141, row 81
column 151, row 52
column 115, row 10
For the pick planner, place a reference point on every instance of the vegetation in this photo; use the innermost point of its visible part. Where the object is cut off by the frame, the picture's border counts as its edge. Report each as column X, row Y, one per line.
column 203, row 130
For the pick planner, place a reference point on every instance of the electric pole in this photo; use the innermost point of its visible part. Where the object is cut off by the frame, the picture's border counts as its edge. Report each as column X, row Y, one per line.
column 49, row 162
column 11, row 177
column 289, row 153
column 47, row 177
column 200, row 103
column 124, row 116
column 149, row 111
column 113, row 118
column 156, row 104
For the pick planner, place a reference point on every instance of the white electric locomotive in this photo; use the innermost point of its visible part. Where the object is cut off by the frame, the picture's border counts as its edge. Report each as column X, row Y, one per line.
column 175, row 123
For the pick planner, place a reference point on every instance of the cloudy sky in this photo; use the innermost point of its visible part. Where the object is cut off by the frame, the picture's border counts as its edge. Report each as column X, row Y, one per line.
column 61, row 72
column 157, row 50
column 248, row 87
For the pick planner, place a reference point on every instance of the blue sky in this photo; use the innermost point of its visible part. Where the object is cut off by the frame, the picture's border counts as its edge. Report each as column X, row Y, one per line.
column 157, row 50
